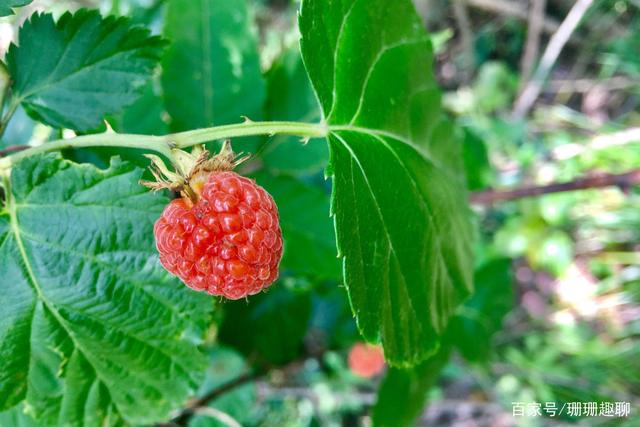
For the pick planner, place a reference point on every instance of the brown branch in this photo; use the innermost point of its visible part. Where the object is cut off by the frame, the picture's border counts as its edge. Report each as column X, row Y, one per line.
column 192, row 408
column 623, row 181
column 195, row 405
column 12, row 149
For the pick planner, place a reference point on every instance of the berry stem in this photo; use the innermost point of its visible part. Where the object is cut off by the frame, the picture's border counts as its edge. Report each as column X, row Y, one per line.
column 164, row 144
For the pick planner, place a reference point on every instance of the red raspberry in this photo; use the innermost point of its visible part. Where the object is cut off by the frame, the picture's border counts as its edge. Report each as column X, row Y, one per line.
column 223, row 236
column 366, row 360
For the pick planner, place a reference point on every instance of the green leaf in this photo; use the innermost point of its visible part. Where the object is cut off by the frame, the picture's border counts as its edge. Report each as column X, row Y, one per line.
column 481, row 316
column 16, row 417
column 403, row 392
column 211, row 72
column 92, row 329
column 309, row 242
column 72, row 73
column 145, row 116
column 7, row 6
column 271, row 326
column 290, row 97
column 477, row 166
column 399, row 202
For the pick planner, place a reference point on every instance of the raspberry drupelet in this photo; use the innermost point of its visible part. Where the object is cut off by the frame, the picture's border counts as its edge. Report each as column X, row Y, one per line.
column 223, row 236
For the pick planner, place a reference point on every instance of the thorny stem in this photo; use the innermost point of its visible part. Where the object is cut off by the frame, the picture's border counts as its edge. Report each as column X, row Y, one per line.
column 164, row 144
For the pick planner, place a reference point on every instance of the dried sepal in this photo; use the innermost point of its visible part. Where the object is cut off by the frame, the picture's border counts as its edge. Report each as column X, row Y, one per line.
column 191, row 169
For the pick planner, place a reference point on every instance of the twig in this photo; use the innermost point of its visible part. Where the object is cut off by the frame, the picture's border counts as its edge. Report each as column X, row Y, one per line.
column 202, row 402
column 533, row 88
column 585, row 85
column 466, row 38
column 12, row 149
column 218, row 415
column 532, row 46
column 624, row 181
column 511, row 9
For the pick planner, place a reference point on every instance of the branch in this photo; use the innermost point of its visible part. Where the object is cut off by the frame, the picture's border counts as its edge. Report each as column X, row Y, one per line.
column 13, row 149
column 532, row 46
column 218, row 415
column 623, row 181
column 585, row 85
column 202, row 402
column 466, row 38
column 533, row 88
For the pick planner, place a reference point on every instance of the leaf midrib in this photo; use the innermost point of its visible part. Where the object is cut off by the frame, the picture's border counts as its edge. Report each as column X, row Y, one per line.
column 382, row 219
column 377, row 133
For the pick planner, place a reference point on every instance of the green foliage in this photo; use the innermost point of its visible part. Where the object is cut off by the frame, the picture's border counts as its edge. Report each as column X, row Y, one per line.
column 271, row 328
column 403, row 391
column 396, row 188
column 7, row 6
column 290, row 97
column 145, row 116
column 481, row 316
column 72, row 73
column 531, row 236
column 477, row 167
column 211, row 73
column 310, row 247
column 93, row 329
column 93, row 332
column 226, row 365
column 16, row 417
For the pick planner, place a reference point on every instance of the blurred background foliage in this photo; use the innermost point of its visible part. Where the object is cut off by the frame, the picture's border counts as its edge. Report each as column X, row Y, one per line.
column 556, row 315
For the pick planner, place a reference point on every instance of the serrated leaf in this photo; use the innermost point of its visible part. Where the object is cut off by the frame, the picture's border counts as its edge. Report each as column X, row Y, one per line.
column 7, row 6
column 402, row 219
column 290, row 97
column 309, row 242
column 211, row 72
column 92, row 329
column 403, row 392
column 480, row 317
column 72, row 73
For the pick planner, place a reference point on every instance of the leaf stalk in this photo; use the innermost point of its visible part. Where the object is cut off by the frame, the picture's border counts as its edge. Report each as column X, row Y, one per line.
column 164, row 144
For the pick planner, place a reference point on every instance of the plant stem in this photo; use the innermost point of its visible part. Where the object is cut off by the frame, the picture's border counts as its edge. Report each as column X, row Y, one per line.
column 623, row 181
column 4, row 122
column 164, row 144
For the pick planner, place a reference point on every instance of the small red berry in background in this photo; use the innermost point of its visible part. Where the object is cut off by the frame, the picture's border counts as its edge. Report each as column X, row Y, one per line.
column 366, row 360
column 223, row 236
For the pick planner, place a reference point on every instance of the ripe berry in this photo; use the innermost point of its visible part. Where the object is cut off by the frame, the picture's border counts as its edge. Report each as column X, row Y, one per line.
column 366, row 360
column 223, row 236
